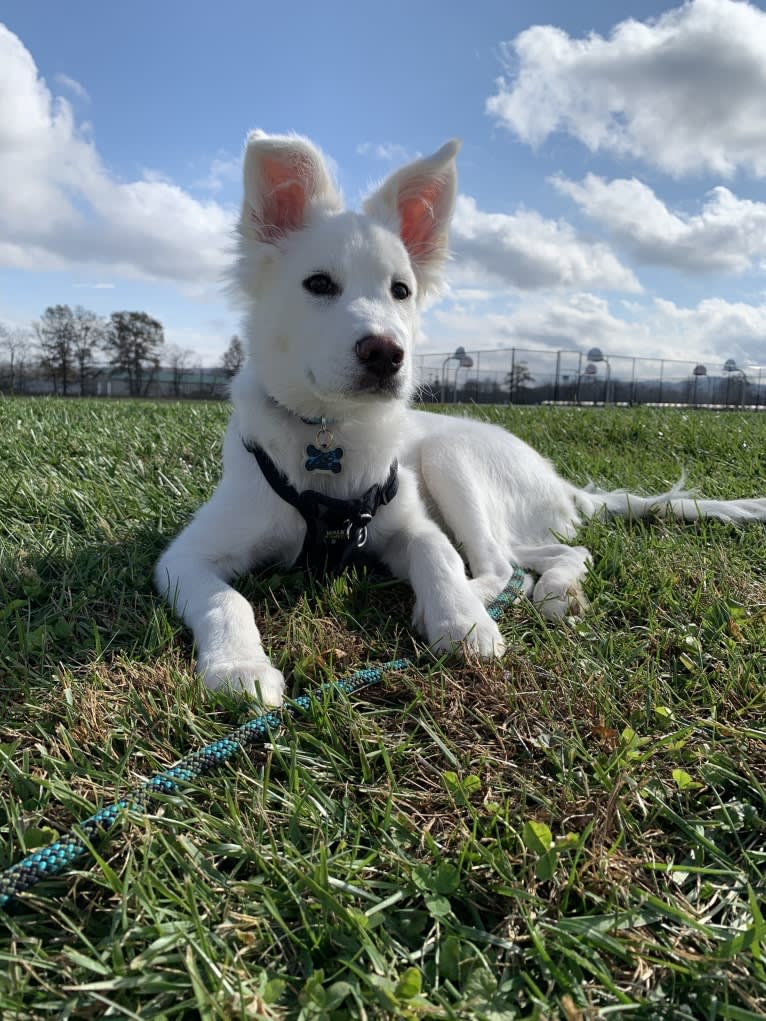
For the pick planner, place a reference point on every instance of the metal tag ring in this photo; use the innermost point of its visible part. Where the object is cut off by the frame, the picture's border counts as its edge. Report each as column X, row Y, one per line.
column 325, row 436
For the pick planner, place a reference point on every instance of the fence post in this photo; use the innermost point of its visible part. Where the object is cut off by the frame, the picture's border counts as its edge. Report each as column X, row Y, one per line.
column 445, row 381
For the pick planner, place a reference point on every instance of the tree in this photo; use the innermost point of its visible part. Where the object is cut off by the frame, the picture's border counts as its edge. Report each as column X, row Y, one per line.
column 233, row 357
column 17, row 344
column 4, row 335
column 133, row 341
column 518, row 377
column 56, row 334
column 89, row 330
column 7, row 343
column 178, row 360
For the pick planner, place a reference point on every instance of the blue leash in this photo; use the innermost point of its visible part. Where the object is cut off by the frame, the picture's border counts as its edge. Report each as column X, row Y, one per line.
column 57, row 857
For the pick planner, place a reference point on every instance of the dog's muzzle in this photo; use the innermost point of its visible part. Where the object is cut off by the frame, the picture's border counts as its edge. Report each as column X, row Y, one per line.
column 381, row 356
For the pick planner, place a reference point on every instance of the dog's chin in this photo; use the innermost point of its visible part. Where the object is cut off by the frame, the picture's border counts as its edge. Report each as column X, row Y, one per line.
column 370, row 387
column 364, row 386
column 358, row 392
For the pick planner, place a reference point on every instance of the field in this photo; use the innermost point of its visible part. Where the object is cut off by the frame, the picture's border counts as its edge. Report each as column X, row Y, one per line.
column 577, row 832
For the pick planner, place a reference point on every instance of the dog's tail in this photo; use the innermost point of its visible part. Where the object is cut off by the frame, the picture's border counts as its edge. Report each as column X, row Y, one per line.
column 677, row 502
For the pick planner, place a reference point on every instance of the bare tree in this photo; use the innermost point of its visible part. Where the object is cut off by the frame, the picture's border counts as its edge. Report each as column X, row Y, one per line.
column 4, row 334
column 179, row 361
column 233, row 357
column 56, row 334
column 89, row 331
column 18, row 344
column 134, row 341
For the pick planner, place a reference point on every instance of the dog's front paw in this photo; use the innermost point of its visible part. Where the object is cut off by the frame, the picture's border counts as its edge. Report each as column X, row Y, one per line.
column 476, row 634
column 556, row 600
column 257, row 678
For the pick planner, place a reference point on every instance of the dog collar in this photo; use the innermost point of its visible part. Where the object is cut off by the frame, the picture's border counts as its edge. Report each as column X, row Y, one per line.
column 336, row 530
column 324, row 459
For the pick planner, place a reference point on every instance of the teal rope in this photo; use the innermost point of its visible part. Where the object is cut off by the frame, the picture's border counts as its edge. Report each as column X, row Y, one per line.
column 57, row 857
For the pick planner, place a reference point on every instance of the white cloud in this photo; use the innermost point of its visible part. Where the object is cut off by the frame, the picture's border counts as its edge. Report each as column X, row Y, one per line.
column 223, row 171
column 718, row 329
column 727, row 235
column 75, row 87
column 472, row 294
column 573, row 321
column 683, row 92
column 60, row 208
column 207, row 343
column 711, row 331
column 527, row 251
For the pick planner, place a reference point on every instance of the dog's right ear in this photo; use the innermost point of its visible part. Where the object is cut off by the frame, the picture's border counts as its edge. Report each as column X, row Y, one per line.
column 285, row 178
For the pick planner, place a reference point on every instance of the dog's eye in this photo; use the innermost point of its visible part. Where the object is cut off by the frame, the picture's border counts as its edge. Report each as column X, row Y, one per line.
column 400, row 290
column 321, row 284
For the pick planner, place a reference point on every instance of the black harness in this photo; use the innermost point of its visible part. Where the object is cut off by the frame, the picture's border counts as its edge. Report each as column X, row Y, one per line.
column 336, row 530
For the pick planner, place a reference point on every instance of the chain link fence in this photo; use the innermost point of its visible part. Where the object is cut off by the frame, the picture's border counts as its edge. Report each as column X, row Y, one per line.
column 497, row 376
column 179, row 384
column 528, row 376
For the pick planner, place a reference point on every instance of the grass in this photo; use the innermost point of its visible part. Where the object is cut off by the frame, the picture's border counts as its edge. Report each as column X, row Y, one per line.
column 577, row 832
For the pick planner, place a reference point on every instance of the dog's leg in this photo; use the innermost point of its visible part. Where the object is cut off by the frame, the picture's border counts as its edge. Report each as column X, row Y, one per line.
column 194, row 574
column 558, row 591
column 464, row 512
column 447, row 611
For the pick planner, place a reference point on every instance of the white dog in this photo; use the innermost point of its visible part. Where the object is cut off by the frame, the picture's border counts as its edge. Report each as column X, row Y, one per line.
column 323, row 454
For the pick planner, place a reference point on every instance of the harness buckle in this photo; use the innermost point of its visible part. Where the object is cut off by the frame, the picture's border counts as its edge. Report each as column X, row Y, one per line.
column 356, row 530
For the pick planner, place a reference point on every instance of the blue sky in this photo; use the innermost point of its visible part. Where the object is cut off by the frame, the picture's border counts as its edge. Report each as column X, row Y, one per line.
column 611, row 176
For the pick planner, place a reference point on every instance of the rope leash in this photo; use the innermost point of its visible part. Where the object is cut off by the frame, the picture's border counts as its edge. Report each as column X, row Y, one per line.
column 57, row 857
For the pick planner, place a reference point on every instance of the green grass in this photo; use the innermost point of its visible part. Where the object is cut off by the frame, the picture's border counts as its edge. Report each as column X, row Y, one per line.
column 577, row 832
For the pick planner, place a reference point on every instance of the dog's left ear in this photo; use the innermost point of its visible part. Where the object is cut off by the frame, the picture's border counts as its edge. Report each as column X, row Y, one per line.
column 417, row 202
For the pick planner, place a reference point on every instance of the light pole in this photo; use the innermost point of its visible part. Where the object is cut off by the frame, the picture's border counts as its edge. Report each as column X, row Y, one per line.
column 589, row 373
column 466, row 362
column 730, row 367
column 458, row 356
column 597, row 355
column 700, row 371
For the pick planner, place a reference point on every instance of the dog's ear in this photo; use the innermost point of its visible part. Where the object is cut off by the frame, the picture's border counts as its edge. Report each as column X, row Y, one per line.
column 417, row 202
column 286, row 177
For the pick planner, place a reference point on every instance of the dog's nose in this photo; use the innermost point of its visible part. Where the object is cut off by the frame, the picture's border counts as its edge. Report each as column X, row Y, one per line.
column 381, row 355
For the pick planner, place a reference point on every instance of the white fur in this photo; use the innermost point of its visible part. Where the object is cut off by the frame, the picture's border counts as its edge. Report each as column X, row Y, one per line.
column 461, row 482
